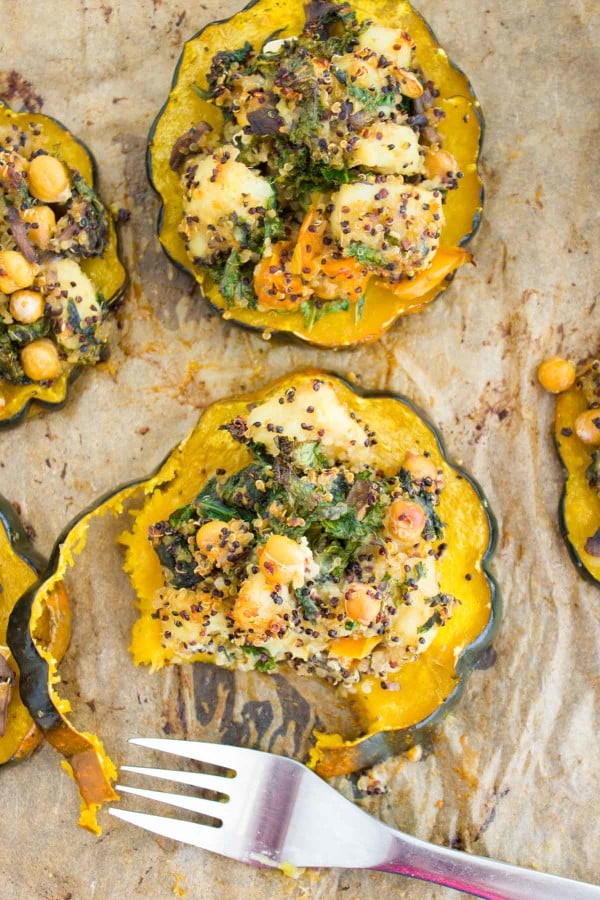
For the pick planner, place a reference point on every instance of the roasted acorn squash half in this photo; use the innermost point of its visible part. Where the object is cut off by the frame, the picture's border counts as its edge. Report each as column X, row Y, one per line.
column 579, row 511
column 461, row 129
column 20, row 566
column 392, row 720
column 105, row 271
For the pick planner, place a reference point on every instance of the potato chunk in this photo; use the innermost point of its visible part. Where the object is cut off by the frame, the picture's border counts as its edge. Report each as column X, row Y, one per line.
column 397, row 225
column 224, row 203
column 389, row 149
column 396, row 46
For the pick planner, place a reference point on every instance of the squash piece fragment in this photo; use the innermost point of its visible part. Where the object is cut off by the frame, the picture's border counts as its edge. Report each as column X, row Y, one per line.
column 85, row 757
column 20, row 566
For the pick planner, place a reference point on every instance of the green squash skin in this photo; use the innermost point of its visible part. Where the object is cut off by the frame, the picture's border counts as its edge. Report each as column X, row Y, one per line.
column 111, row 302
column 476, row 222
column 35, row 671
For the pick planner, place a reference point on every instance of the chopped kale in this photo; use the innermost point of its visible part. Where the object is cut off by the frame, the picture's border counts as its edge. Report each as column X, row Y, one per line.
column 331, row 28
column 23, row 334
column 174, row 553
column 235, row 282
column 225, row 62
column 264, row 662
column 309, row 311
column 308, row 456
column 241, row 492
column 370, row 100
column 85, row 222
column 420, row 571
column 435, row 619
column 10, row 364
column 593, row 470
column 359, row 308
column 210, row 504
column 434, row 527
column 182, row 516
column 308, row 606
column 335, row 556
column 364, row 254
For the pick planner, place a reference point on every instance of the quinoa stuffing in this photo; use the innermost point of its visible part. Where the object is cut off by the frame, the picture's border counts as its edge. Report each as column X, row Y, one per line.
column 52, row 317
column 307, row 557
column 329, row 169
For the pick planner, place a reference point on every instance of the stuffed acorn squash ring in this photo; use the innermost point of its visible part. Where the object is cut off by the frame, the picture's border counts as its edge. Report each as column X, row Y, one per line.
column 311, row 528
column 59, row 266
column 321, row 180
column 302, row 527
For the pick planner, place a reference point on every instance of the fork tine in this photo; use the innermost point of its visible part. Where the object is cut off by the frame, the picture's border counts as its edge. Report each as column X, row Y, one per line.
column 216, row 754
column 213, row 808
column 204, row 836
column 203, row 780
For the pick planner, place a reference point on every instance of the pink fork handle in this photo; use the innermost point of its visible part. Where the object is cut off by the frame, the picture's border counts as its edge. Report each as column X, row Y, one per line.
column 480, row 876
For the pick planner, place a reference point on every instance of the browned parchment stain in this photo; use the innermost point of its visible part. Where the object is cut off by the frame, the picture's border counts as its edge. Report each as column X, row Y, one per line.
column 18, row 92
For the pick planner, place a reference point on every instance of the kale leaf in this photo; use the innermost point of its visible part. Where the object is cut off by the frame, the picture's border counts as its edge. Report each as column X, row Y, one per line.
column 263, row 661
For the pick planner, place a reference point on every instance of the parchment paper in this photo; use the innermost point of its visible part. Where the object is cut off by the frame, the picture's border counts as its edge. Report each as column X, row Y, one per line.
column 515, row 769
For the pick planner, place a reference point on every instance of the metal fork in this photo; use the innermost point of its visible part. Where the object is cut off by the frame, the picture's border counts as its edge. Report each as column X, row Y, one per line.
column 273, row 811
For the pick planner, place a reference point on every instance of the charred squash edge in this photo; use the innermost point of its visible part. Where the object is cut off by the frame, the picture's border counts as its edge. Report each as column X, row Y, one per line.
column 574, row 551
column 301, row 333
column 30, row 407
column 345, row 757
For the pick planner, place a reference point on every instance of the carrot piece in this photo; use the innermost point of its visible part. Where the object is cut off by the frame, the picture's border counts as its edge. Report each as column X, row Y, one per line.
column 309, row 244
column 346, row 275
column 275, row 285
column 445, row 261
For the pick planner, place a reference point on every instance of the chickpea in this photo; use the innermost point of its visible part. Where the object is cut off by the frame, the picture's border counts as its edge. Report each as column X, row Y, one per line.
column 556, row 374
column 439, row 164
column 283, row 561
column 48, row 179
column 26, row 306
column 254, row 608
column 42, row 222
column 40, row 360
column 587, row 426
column 210, row 537
column 15, row 271
column 423, row 469
column 362, row 603
column 405, row 521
